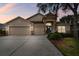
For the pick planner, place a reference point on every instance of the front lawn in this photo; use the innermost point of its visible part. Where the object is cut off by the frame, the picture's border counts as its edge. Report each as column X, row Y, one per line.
column 68, row 46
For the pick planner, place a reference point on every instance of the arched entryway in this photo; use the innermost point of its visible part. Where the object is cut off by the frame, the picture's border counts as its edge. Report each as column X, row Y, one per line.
column 50, row 22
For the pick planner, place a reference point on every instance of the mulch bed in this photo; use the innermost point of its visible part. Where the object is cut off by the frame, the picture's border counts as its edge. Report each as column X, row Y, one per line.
column 58, row 42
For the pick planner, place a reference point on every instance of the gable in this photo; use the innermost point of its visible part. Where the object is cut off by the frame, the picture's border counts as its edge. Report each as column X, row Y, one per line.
column 19, row 21
column 36, row 18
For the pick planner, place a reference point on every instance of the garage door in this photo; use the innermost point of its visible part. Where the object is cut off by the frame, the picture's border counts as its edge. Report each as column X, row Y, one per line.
column 39, row 29
column 19, row 30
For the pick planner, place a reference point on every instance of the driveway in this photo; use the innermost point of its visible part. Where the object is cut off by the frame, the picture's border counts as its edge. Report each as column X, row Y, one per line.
column 27, row 46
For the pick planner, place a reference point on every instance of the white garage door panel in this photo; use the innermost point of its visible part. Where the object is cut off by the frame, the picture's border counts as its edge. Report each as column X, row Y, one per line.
column 19, row 30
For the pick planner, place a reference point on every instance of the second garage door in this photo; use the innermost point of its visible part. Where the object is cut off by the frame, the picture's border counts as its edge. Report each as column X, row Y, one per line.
column 19, row 30
column 39, row 29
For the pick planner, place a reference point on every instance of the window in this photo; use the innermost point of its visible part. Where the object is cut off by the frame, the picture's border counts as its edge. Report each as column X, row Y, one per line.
column 61, row 29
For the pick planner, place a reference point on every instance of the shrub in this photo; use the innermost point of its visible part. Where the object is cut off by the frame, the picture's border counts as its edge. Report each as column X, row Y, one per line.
column 2, row 33
column 66, row 35
column 54, row 36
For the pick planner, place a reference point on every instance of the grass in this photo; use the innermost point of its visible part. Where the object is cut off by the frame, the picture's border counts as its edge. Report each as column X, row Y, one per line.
column 68, row 46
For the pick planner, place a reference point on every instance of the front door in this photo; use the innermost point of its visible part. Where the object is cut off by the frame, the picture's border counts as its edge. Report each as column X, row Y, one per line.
column 49, row 27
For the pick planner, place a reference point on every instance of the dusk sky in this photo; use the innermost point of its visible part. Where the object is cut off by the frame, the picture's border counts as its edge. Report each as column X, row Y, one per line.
column 25, row 10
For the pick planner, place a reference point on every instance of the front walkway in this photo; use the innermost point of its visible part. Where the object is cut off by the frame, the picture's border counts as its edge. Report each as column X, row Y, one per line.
column 27, row 46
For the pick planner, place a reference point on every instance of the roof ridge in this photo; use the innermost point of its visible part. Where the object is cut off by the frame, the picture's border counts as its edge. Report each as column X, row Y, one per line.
column 14, row 19
column 34, row 15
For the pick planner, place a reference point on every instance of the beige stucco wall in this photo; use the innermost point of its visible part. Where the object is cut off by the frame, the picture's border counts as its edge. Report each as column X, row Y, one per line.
column 67, row 28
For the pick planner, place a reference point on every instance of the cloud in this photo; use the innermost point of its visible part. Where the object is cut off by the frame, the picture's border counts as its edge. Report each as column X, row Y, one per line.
column 6, row 8
column 4, row 18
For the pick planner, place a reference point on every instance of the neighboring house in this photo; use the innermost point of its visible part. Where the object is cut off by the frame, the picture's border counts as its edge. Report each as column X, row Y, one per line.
column 2, row 27
column 37, row 24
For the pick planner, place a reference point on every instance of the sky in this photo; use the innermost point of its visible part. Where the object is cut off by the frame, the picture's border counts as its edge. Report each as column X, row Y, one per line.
column 9, row 11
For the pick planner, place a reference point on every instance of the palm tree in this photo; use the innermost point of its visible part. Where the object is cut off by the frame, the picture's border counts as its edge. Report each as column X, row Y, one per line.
column 54, row 7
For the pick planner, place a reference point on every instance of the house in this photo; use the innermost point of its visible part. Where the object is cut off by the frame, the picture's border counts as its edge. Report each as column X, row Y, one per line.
column 37, row 24
column 31, row 25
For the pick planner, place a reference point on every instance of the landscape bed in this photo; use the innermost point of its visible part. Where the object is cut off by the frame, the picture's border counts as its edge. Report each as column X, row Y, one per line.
column 67, row 46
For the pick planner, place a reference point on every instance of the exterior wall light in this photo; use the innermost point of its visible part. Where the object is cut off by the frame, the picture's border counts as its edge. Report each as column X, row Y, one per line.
column 48, row 24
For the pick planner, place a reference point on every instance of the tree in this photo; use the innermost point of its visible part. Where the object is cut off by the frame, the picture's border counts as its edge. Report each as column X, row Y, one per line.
column 67, row 19
column 50, row 7
column 54, row 7
column 73, row 7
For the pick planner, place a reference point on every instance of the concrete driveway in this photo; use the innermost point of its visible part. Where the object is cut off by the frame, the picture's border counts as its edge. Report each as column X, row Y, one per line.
column 27, row 46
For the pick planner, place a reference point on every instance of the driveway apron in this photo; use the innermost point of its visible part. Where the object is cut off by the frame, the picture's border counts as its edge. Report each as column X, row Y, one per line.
column 28, row 46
